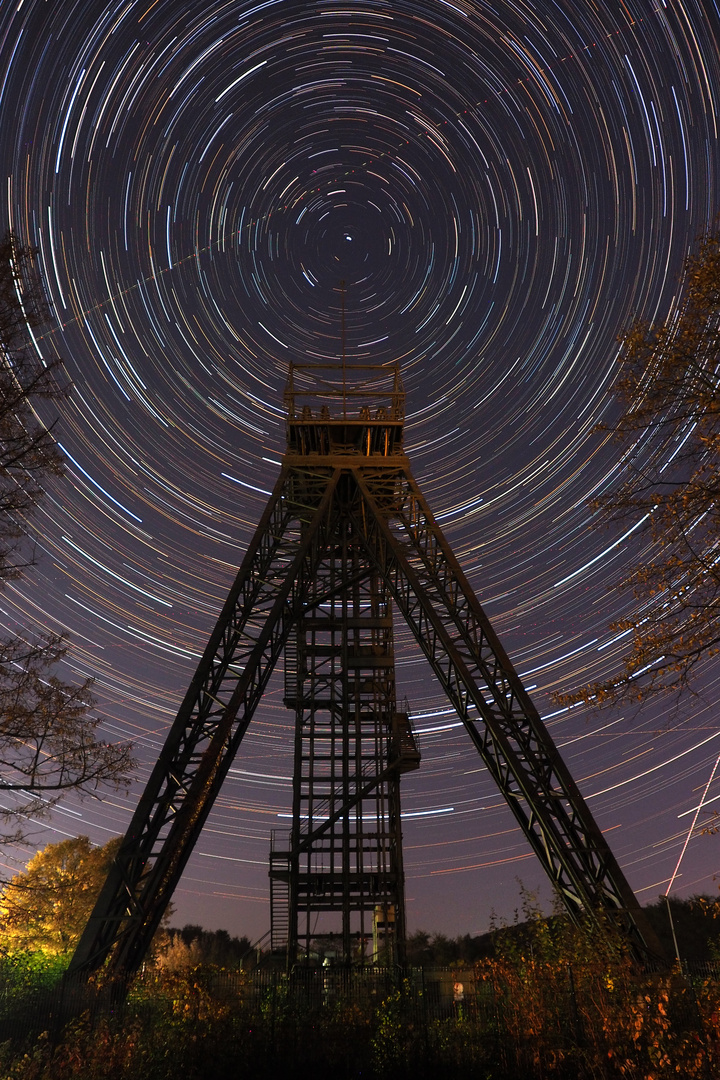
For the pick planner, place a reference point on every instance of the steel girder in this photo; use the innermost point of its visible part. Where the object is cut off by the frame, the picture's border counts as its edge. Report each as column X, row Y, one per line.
column 275, row 585
column 344, row 851
column 443, row 613
column 228, row 684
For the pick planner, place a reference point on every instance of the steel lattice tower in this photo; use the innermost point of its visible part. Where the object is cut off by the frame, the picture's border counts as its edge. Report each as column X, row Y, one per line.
column 346, row 530
column 339, row 871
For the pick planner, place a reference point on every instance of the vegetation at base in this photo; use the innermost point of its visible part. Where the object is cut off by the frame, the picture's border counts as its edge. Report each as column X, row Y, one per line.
column 553, row 1002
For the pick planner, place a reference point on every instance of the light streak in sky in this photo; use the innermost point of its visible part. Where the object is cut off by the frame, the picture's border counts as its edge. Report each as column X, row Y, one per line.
column 692, row 826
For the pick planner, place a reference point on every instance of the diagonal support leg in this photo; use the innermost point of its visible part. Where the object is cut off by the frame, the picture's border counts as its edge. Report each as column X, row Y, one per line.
column 211, row 722
column 431, row 591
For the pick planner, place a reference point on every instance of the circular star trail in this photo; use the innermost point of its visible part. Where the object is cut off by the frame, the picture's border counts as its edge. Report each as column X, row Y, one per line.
column 501, row 191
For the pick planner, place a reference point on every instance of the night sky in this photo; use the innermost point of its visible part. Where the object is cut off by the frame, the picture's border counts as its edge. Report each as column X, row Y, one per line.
column 502, row 190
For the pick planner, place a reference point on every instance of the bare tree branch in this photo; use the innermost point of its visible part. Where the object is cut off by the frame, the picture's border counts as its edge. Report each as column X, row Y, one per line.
column 49, row 742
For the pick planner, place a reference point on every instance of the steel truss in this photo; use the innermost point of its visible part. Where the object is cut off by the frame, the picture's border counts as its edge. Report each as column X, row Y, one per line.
column 261, row 608
column 346, row 514
column 336, row 878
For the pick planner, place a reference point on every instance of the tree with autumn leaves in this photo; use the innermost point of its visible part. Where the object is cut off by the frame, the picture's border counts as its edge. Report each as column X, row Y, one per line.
column 668, row 389
column 46, row 906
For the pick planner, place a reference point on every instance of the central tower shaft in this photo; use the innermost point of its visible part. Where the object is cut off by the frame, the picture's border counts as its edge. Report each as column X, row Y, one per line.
column 336, row 880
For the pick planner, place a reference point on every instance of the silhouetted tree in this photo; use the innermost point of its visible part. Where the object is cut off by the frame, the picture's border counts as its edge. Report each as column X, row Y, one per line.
column 696, row 920
column 48, row 740
column 419, row 950
column 192, row 946
column 438, row 950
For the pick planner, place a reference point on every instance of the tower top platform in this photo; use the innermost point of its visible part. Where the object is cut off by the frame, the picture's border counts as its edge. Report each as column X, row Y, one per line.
column 345, row 409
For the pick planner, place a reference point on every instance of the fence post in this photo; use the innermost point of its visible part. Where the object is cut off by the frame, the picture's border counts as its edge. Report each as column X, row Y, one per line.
column 273, row 999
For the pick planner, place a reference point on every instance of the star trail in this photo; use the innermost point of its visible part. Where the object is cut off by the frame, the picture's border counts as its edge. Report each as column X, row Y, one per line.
column 502, row 190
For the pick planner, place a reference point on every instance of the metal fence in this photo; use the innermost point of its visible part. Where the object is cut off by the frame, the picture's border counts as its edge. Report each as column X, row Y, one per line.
column 517, row 1016
column 427, row 994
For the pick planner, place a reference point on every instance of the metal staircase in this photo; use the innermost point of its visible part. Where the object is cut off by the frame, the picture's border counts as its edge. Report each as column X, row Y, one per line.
column 279, row 896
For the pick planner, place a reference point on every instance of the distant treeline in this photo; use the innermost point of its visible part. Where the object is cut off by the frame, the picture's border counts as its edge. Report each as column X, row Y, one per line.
column 192, row 946
column 696, row 921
